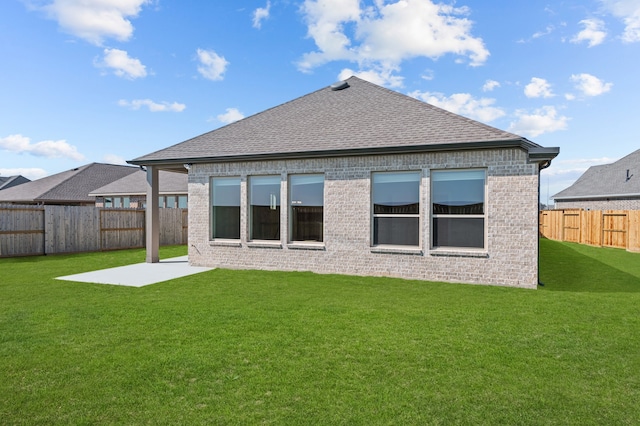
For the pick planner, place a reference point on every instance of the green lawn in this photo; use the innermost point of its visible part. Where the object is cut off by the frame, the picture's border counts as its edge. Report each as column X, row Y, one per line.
column 251, row 347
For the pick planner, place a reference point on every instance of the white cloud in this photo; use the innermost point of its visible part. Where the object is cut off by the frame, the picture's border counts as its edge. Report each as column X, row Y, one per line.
column 30, row 173
column 590, row 85
column 114, row 159
column 593, row 32
column 212, row 66
column 381, row 77
column 48, row 149
column 543, row 120
column 122, row 65
column 489, row 85
column 260, row 14
column 629, row 12
column 95, row 20
column 538, row 88
column 579, row 165
column 464, row 104
column 380, row 37
column 547, row 31
column 232, row 114
column 136, row 104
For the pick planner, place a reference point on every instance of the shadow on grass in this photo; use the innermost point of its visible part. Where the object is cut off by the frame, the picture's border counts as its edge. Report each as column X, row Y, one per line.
column 575, row 268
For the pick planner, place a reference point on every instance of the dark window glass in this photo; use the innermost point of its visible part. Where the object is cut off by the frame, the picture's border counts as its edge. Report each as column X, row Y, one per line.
column 307, row 205
column 396, row 230
column 264, row 194
column 458, row 232
column 396, row 208
column 458, row 208
column 225, row 209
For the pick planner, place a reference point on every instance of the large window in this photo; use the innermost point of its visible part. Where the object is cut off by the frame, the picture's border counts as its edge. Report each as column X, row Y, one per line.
column 458, row 208
column 306, row 198
column 396, row 208
column 264, row 204
column 225, row 207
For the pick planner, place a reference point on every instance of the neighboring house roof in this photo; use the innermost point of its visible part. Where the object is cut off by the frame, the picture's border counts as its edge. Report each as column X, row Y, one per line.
column 607, row 181
column 136, row 184
column 11, row 181
column 353, row 117
column 72, row 186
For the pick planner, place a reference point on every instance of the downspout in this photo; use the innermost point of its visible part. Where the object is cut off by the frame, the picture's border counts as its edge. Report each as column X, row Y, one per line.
column 541, row 167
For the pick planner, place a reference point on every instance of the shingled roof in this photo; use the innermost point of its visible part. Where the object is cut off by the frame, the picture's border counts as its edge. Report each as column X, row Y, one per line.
column 69, row 187
column 11, row 181
column 615, row 180
column 136, row 184
column 353, row 117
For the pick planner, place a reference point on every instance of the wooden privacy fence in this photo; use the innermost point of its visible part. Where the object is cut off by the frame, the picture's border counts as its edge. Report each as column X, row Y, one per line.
column 37, row 230
column 608, row 228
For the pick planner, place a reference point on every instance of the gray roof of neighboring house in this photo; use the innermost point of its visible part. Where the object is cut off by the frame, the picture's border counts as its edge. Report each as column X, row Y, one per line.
column 136, row 184
column 607, row 181
column 71, row 186
column 362, row 118
column 11, row 181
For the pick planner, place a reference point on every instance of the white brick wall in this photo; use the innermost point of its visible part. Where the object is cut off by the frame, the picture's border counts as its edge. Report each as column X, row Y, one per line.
column 510, row 258
column 610, row 204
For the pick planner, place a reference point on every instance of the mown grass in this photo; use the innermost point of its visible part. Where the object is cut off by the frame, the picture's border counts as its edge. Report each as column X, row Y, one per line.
column 255, row 347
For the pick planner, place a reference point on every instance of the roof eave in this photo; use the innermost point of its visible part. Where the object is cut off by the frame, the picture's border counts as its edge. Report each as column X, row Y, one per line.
column 510, row 143
column 594, row 197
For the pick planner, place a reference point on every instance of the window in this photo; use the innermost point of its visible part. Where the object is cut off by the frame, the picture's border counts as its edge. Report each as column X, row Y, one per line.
column 182, row 201
column 117, row 202
column 457, row 198
column 306, row 200
column 225, row 207
column 396, row 208
column 264, row 204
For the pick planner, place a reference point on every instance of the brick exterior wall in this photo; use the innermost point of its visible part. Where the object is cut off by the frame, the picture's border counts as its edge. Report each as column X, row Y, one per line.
column 607, row 204
column 510, row 257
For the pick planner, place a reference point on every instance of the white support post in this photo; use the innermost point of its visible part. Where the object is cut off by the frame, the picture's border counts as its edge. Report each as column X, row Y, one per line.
column 152, row 216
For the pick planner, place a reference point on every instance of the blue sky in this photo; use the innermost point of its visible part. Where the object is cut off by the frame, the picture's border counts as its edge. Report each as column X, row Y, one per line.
column 109, row 80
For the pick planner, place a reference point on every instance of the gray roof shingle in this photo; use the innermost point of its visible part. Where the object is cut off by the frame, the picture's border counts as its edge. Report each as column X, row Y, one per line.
column 363, row 118
column 71, row 186
column 11, row 181
column 136, row 184
column 607, row 181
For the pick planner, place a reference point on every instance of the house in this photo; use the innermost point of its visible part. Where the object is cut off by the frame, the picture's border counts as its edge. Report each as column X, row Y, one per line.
column 10, row 181
column 71, row 187
column 358, row 179
column 131, row 191
column 614, row 186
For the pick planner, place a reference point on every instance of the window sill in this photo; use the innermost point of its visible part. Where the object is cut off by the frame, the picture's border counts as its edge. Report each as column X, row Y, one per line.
column 265, row 244
column 397, row 250
column 225, row 243
column 459, row 253
column 306, row 246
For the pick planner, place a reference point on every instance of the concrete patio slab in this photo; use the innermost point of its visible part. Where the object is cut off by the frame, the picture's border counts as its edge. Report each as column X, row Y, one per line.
column 140, row 274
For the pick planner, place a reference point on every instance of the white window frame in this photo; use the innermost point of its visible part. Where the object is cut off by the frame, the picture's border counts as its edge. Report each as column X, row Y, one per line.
column 211, row 206
column 458, row 216
column 290, row 208
column 374, row 215
column 273, row 204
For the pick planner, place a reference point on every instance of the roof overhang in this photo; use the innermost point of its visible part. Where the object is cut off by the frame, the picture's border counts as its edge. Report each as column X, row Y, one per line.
column 540, row 154
column 595, row 197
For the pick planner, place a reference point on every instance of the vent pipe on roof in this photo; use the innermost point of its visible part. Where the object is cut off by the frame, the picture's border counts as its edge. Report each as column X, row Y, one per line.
column 628, row 176
column 339, row 85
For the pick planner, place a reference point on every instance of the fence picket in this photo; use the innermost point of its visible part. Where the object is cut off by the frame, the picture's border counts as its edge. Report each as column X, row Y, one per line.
column 36, row 230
